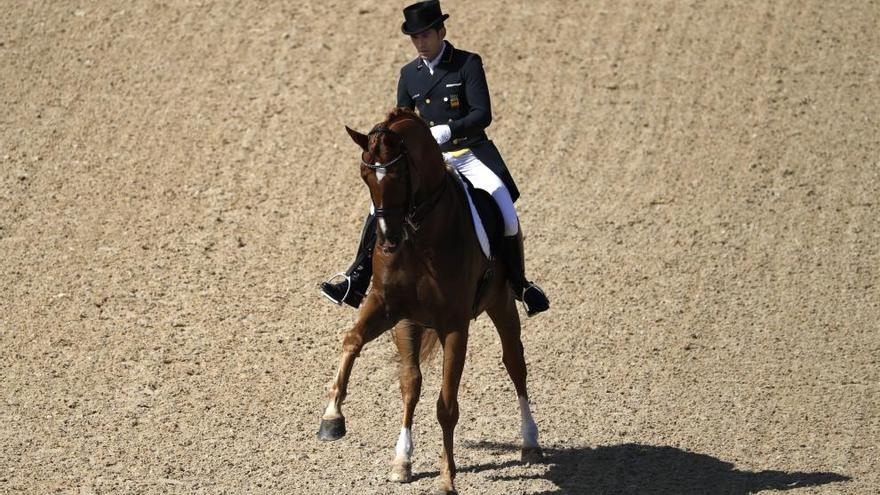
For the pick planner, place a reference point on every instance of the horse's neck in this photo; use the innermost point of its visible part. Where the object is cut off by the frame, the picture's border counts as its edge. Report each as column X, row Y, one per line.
column 448, row 220
column 434, row 171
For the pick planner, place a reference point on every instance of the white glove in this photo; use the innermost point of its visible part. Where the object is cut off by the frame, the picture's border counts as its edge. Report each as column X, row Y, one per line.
column 441, row 133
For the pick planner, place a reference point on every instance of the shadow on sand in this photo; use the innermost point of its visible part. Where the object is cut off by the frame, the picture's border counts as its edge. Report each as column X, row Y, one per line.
column 641, row 469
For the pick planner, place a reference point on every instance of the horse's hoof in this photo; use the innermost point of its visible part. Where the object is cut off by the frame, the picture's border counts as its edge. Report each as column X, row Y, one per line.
column 401, row 473
column 332, row 429
column 532, row 455
column 442, row 491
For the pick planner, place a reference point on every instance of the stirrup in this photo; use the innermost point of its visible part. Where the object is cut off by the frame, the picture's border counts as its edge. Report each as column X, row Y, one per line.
column 347, row 287
column 533, row 311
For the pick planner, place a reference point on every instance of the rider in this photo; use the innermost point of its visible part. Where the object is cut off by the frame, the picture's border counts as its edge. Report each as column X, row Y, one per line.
column 447, row 87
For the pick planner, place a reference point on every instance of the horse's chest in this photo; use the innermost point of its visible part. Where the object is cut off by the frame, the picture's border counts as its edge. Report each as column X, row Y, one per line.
column 419, row 291
column 428, row 301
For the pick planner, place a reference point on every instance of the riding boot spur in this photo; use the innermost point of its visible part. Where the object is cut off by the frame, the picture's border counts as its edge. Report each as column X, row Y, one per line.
column 355, row 281
column 532, row 297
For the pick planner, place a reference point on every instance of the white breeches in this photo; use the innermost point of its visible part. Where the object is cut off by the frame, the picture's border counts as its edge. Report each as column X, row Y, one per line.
column 483, row 178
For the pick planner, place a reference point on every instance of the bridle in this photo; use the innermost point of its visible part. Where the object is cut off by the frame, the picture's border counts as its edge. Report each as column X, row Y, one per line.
column 382, row 212
column 414, row 212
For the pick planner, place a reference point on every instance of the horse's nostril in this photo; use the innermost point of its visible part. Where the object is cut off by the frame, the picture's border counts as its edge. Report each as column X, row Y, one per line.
column 391, row 244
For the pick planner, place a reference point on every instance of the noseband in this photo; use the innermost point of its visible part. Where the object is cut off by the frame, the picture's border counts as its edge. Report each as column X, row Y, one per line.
column 381, row 129
column 414, row 212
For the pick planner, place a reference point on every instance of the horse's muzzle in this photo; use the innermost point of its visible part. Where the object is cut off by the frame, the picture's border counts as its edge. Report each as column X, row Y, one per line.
column 389, row 247
column 390, row 243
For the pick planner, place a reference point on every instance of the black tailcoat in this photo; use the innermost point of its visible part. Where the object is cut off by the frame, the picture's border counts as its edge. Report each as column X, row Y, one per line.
column 455, row 95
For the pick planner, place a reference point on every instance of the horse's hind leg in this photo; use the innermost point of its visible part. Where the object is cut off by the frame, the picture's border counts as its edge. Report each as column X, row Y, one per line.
column 506, row 321
column 407, row 337
column 371, row 323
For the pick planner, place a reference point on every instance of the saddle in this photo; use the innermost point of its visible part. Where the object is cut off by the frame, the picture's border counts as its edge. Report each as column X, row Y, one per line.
column 488, row 222
column 488, row 225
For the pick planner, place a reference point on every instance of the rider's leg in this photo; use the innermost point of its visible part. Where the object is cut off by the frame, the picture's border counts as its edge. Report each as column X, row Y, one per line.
column 353, row 287
column 529, row 293
column 512, row 248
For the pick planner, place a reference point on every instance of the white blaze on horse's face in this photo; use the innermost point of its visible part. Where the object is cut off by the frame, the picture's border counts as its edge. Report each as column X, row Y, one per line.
column 380, row 174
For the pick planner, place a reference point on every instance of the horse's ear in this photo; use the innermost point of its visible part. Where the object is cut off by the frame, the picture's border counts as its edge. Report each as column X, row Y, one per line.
column 360, row 139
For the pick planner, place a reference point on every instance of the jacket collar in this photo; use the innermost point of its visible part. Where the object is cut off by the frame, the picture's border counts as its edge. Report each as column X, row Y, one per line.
column 447, row 53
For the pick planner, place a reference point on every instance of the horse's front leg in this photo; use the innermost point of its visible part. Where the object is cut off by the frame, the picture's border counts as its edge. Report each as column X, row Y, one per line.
column 372, row 322
column 408, row 338
column 454, row 350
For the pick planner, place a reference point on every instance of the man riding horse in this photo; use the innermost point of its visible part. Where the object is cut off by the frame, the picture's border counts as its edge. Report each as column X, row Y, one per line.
column 447, row 87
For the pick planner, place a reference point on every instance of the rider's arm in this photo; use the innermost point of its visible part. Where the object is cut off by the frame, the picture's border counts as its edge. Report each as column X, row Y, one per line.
column 476, row 89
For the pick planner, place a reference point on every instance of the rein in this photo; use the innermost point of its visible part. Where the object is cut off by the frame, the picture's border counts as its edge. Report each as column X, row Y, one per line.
column 415, row 212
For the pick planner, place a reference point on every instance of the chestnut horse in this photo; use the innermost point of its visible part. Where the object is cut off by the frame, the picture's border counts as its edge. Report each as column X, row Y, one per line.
column 427, row 267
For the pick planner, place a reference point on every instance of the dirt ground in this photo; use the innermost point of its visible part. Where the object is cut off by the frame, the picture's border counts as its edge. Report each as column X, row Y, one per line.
column 700, row 193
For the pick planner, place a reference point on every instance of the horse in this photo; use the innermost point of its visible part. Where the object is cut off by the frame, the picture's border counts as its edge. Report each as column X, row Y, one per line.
column 429, row 281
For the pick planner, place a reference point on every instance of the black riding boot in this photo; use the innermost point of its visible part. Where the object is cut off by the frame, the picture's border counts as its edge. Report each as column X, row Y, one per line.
column 529, row 293
column 353, row 287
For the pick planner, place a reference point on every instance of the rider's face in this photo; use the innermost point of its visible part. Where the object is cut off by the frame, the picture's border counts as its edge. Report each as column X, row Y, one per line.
column 428, row 43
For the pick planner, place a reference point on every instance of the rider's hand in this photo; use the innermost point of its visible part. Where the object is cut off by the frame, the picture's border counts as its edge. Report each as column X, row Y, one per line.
column 441, row 133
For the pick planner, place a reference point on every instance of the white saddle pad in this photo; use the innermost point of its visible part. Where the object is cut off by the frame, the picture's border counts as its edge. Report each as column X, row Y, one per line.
column 478, row 223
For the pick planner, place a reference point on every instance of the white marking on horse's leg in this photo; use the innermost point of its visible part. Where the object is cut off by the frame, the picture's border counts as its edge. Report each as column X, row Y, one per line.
column 333, row 409
column 331, row 412
column 404, row 449
column 401, row 468
column 529, row 429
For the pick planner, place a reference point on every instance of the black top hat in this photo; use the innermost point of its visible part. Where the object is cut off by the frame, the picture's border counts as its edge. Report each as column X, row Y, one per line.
column 422, row 16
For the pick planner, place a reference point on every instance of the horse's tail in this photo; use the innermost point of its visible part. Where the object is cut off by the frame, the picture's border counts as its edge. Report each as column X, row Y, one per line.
column 429, row 345
column 428, row 342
